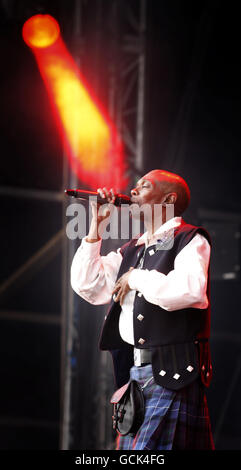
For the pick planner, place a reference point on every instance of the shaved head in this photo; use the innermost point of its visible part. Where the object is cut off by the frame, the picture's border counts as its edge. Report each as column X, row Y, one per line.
column 170, row 182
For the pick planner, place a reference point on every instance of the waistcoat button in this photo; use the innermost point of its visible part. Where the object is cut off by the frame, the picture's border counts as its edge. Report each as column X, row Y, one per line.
column 141, row 341
column 176, row 376
column 140, row 317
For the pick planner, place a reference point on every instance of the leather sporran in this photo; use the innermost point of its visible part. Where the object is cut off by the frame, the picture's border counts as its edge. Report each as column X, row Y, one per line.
column 129, row 408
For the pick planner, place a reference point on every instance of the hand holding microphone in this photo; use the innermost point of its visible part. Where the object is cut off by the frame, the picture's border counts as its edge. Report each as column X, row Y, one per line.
column 102, row 203
column 109, row 195
column 100, row 213
column 101, row 208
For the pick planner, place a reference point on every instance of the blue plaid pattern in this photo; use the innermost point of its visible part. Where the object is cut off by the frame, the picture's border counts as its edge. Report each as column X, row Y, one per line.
column 173, row 419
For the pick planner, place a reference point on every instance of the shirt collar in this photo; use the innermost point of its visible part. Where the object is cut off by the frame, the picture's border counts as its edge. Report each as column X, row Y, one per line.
column 162, row 230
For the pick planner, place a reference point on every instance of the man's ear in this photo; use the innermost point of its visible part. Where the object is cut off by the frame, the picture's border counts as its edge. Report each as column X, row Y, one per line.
column 170, row 198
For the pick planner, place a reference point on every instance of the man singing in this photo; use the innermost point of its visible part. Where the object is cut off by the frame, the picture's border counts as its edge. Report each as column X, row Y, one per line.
column 158, row 324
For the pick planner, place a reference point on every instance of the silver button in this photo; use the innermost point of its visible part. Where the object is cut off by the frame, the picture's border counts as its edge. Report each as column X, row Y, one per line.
column 176, row 376
column 162, row 372
column 140, row 317
column 190, row 368
column 141, row 341
column 151, row 252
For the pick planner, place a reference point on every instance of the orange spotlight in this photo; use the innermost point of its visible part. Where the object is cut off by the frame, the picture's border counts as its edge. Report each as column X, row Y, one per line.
column 92, row 143
column 41, row 31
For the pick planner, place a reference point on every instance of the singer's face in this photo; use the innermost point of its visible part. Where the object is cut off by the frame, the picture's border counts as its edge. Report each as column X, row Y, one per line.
column 147, row 191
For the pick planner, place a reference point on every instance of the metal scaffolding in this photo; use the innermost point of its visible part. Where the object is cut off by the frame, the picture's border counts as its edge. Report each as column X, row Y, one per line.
column 129, row 86
column 126, row 92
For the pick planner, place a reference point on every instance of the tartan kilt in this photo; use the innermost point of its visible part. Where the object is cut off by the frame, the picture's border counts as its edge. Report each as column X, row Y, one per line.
column 173, row 419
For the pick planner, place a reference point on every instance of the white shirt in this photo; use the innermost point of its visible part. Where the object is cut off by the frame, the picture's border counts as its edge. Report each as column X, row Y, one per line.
column 93, row 277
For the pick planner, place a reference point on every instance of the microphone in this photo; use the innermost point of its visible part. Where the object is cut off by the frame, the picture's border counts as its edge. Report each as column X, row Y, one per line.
column 84, row 195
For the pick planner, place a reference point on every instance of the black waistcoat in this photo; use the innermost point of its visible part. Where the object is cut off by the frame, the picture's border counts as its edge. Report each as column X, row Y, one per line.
column 178, row 339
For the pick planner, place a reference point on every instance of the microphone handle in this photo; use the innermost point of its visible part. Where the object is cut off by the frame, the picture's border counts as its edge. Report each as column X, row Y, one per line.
column 84, row 195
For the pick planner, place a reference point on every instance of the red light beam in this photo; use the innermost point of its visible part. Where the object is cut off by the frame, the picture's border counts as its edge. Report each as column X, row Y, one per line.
column 92, row 143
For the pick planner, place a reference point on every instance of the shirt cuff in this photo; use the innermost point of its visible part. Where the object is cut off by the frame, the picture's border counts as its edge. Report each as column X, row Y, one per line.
column 137, row 279
column 91, row 249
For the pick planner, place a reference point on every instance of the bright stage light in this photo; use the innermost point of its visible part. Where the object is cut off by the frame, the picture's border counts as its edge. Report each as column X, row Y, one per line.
column 41, row 31
column 91, row 140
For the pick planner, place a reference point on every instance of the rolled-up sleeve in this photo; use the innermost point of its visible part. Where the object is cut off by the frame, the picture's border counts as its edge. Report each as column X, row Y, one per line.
column 184, row 286
column 93, row 276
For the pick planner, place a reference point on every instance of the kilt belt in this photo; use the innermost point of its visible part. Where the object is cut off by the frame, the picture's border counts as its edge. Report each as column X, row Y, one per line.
column 142, row 356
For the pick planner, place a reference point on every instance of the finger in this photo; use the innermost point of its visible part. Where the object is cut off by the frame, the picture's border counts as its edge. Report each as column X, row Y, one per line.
column 113, row 195
column 101, row 193
column 122, row 297
column 121, row 300
column 106, row 192
column 118, row 282
column 122, row 293
column 109, row 195
column 116, row 288
column 118, row 295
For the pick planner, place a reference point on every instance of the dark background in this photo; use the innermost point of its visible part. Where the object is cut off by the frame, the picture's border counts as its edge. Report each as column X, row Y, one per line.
column 192, row 127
